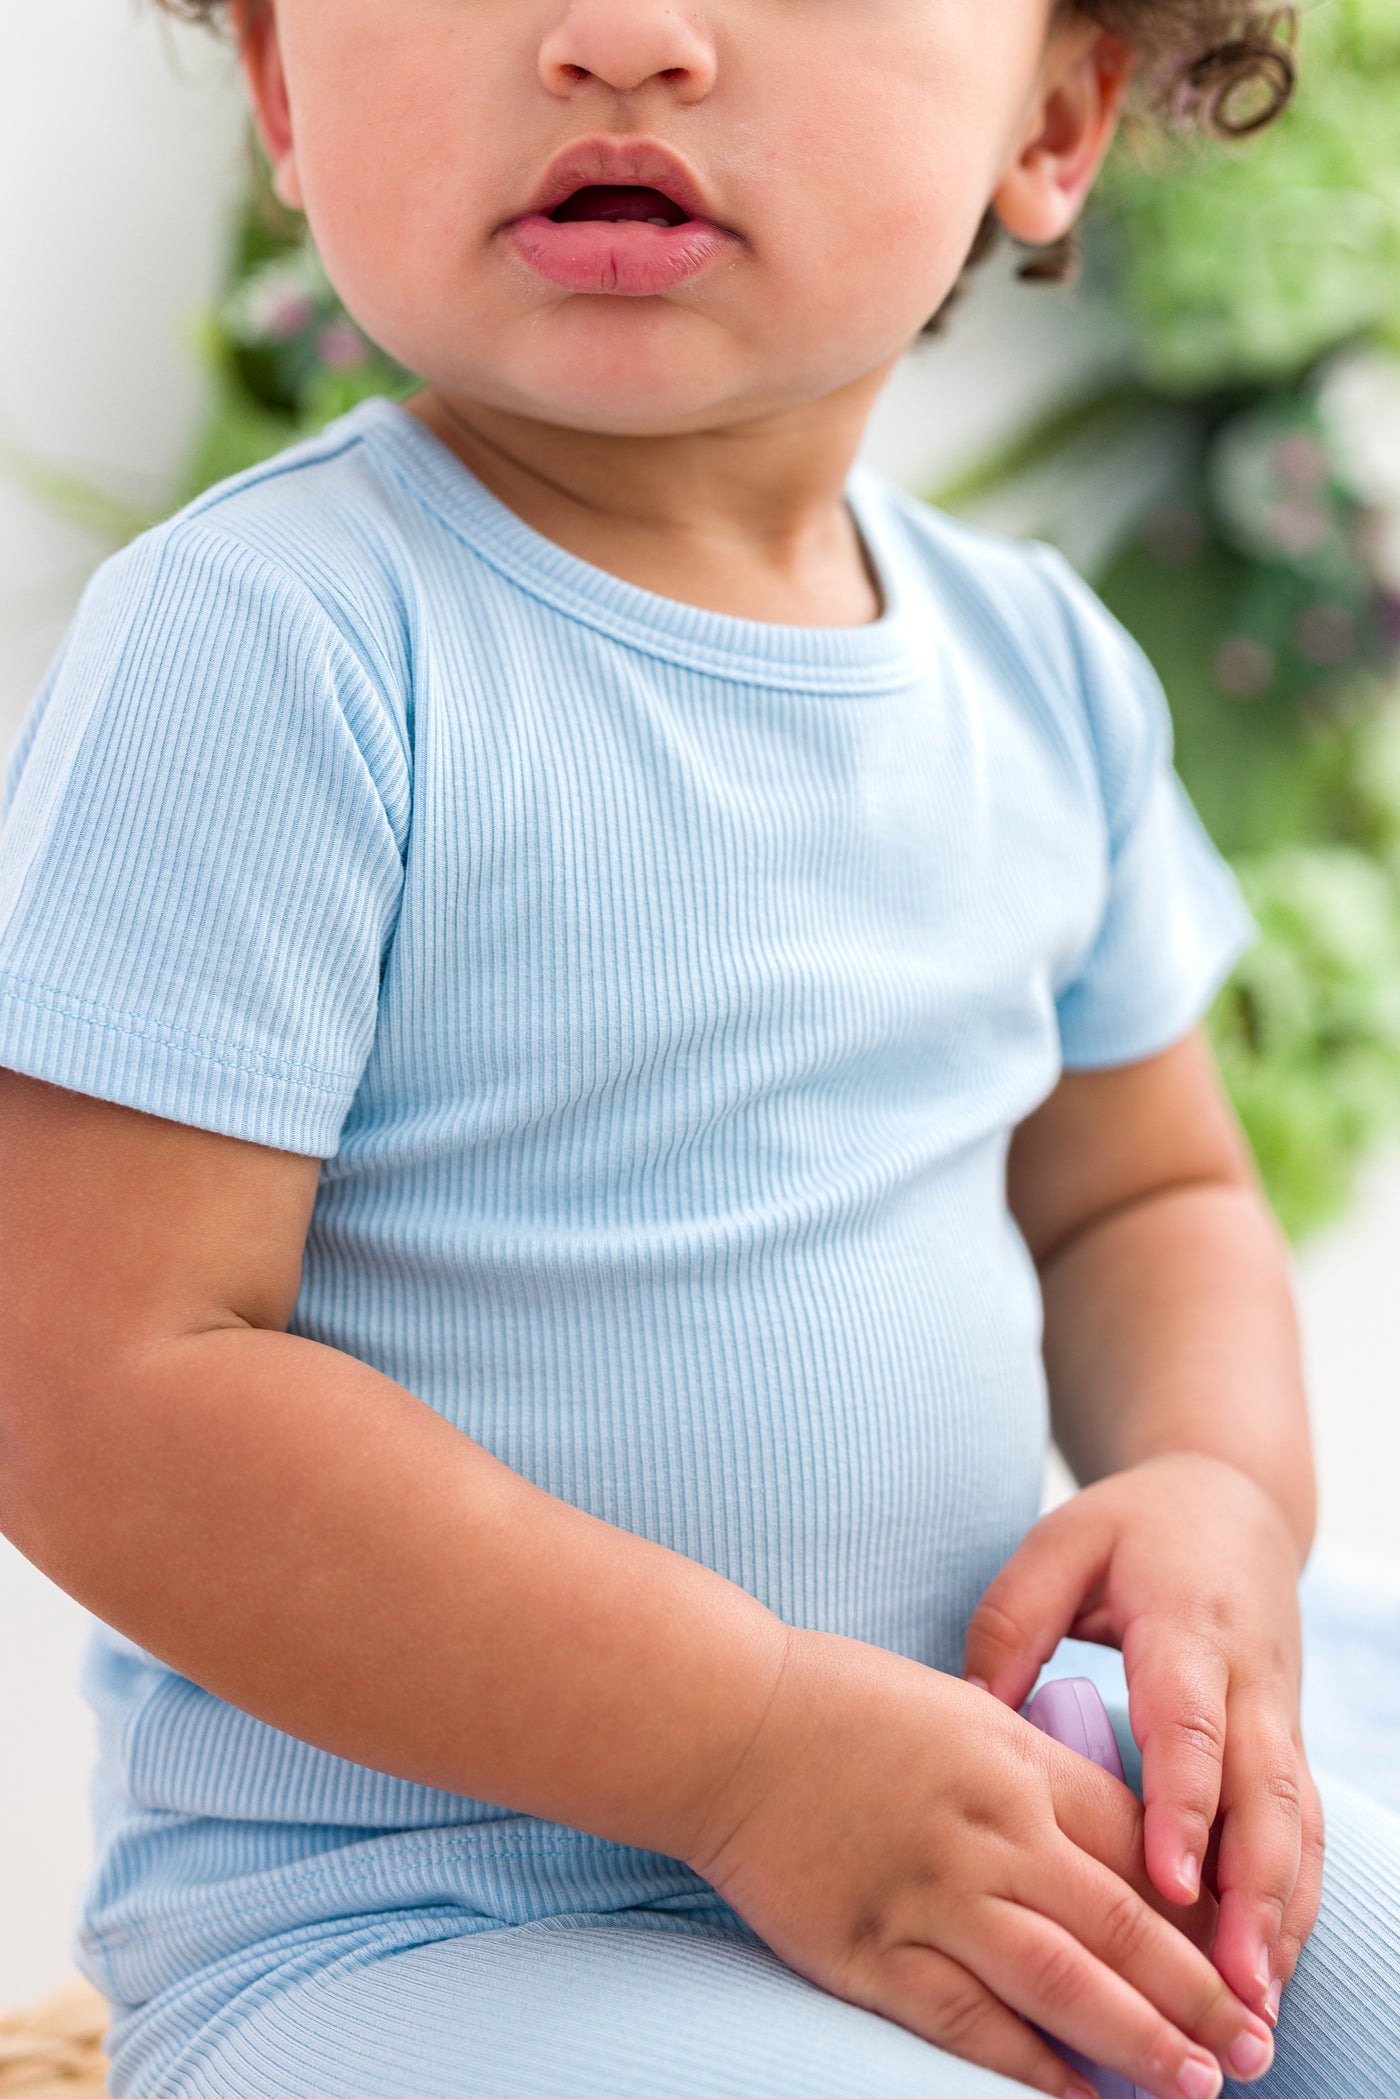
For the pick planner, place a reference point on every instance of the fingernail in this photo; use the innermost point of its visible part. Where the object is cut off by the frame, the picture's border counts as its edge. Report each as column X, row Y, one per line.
column 1190, row 1874
column 978, row 1682
column 1199, row 2078
column 1080, row 2091
column 1263, row 1968
column 1271, row 2002
column 1251, row 2053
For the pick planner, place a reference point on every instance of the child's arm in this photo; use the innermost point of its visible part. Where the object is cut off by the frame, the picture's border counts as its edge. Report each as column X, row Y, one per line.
column 1165, row 1279
column 303, row 1536
column 1172, row 1353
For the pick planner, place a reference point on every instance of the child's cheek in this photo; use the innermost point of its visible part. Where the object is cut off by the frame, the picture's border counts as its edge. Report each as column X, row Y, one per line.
column 881, row 186
column 871, row 256
column 398, row 138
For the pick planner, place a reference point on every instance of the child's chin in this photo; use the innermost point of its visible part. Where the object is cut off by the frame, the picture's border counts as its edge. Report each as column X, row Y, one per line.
column 632, row 389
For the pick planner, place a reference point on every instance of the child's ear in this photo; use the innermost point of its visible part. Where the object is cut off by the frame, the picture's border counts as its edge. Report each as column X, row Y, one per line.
column 1068, row 132
column 260, row 50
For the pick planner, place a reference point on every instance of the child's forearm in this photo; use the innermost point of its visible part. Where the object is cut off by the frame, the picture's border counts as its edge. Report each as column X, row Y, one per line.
column 1170, row 1327
column 302, row 1536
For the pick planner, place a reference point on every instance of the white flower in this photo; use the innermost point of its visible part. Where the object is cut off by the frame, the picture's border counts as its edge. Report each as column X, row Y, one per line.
column 1358, row 400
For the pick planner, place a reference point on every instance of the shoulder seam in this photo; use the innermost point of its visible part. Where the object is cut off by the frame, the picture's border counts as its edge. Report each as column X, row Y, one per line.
column 227, row 543
column 312, row 451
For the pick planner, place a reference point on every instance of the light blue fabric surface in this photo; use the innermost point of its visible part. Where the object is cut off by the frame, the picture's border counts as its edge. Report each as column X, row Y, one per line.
column 650, row 2003
column 660, row 990
column 598, row 1976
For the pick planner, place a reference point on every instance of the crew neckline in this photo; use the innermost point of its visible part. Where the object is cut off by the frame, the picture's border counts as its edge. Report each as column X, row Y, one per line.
column 877, row 656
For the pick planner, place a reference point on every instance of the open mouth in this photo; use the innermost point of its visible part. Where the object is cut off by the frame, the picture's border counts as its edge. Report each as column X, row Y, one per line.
column 619, row 216
column 620, row 204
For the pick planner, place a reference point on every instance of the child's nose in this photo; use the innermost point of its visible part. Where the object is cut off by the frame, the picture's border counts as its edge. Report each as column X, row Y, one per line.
column 627, row 44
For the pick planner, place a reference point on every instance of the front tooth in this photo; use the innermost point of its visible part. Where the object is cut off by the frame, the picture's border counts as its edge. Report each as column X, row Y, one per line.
column 658, row 222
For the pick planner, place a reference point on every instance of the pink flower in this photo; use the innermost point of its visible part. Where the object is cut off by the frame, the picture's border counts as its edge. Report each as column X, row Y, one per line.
column 1298, row 528
column 1244, row 667
column 1301, row 461
column 341, row 346
column 285, row 315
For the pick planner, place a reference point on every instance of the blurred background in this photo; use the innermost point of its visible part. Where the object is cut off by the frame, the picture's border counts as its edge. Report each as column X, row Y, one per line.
column 1208, row 423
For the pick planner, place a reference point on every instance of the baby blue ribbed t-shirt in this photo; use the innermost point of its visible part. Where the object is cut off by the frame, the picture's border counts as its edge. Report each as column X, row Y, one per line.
column 658, row 988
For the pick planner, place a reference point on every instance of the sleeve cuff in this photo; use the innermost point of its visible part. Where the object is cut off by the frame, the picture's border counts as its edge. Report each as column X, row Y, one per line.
column 53, row 1036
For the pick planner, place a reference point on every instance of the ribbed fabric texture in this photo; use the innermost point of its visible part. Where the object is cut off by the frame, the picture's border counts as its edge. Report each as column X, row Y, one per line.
column 659, row 989
column 427, row 2003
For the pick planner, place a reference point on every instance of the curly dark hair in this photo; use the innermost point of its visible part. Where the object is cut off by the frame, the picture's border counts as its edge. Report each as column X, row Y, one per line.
column 1221, row 68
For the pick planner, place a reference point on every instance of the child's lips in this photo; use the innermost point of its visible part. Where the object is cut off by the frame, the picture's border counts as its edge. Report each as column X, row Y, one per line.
column 590, row 225
column 629, row 258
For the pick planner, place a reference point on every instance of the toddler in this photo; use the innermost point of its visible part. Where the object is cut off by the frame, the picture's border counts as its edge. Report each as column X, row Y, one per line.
column 600, row 1023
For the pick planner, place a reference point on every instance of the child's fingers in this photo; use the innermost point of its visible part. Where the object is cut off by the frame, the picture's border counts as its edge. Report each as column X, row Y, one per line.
column 1104, row 1819
column 938, row 1999
column 1261, row 1846
column 1301, row 1914
column 1165, row 1965
column 1100, row 1985
column 1177, row 1709
column 1028, row 1607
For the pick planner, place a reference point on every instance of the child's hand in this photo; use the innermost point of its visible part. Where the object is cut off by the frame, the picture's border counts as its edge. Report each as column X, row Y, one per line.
column 911, row 1846
column 1190, row 1567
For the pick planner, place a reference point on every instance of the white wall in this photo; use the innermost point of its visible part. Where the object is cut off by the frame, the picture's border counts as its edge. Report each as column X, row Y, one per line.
column 119, row 149
column 120, row 138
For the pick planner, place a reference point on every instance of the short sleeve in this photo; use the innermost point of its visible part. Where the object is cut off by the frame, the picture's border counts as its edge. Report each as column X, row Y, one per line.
column 201, row 849
column 1174, row 921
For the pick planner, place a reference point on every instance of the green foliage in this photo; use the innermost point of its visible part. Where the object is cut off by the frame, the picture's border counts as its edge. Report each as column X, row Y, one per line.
column 1278, row 767
column 1308, row 1030
column 1267, row 602
column 1305, row 800
column 1245, row 263
column 1252, row 768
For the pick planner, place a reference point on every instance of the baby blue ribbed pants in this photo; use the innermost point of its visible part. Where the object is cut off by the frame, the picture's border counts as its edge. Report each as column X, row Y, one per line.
column 651, row 2004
